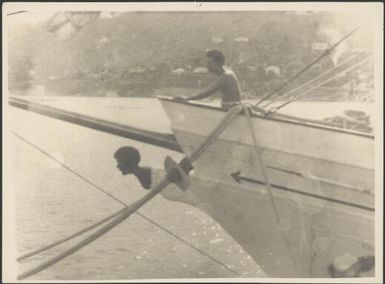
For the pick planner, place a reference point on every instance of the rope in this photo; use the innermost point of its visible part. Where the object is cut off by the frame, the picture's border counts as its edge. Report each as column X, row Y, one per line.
column 68, row 168
column 193, row 247
column 30, row 254
column 126, row 212
column 258, row 154
column 275, row 109
column 318, row 78
column 313, row 80
column 265, row 175
column 70, row 237
column 230, row 116
column 326, row 52
column 124, row 215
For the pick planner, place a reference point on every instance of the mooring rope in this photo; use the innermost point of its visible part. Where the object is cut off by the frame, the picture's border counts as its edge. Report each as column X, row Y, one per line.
column 120, row 218
column 136, row 205
column 68, row 168
column 260, row 160
column 230, row 116
column 68, row 238
column 258, row 153
column 63, row 240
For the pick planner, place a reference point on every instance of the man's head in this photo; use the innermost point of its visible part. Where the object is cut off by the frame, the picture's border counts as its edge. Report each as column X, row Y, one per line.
column 215, row 60
column 128, row 159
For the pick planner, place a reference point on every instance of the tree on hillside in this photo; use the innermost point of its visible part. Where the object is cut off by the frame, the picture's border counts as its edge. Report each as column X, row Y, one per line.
column 103, row 53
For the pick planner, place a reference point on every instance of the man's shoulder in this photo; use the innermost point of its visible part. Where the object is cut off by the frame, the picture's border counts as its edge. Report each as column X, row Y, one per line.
column 229, row 75
column 228, row 71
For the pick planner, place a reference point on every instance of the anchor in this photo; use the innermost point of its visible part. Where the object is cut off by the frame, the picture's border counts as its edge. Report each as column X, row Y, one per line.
column 178, row 173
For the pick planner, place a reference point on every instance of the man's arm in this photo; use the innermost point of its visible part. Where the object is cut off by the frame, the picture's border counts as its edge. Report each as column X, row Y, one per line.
column 208, row 91
column 205, row 92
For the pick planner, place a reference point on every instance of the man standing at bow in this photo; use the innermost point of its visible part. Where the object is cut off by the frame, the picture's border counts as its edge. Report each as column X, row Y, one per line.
column 226, row 82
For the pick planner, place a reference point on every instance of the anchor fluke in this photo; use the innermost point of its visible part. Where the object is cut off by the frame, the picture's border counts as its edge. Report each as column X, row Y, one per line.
column 176, row 174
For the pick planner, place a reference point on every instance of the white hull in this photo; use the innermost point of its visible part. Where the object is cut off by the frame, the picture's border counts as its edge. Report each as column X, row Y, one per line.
column 322, row 182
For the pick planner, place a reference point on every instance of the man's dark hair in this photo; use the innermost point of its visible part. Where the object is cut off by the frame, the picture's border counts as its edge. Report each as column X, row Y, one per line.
column 128, row 155
column 217, row 55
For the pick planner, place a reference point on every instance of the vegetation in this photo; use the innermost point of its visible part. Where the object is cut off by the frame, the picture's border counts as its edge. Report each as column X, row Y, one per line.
column 134, row 53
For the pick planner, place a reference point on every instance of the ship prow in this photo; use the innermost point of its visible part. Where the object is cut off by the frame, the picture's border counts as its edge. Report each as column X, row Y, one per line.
column 320, row 208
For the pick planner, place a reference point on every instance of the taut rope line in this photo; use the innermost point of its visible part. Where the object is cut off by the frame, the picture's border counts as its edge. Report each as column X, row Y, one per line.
column 68, row 168
column 258, row 153
column 136, row 205
column 70, row 237
column 326, row 52
column 124, row 215
column 63, row 240
column 314, row 80
column 30, row 254
column 275, row 109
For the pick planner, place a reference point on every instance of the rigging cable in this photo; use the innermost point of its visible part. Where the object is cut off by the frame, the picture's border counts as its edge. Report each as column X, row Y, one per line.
column 230, row 116
column 110, row 217
column 325, row 53
column 275, row 109
column 70, row 237
column 103, row 230
column 312, row 81
column 258, row 153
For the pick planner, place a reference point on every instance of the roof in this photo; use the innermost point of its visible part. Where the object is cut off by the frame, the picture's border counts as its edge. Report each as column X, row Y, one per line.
column 202, row 70
column 241, row 39
column 177, row 71
column 137, row 70
column 216, row 39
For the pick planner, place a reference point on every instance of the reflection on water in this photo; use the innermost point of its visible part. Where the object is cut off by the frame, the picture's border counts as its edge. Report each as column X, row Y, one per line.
column 52, row 203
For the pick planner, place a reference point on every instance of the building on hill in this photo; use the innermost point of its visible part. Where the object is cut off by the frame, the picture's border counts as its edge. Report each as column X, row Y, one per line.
column 216, row 39
column 200, row 70
column 273, row 70
column 137, row 70
column 241, row 39
column 178, row 72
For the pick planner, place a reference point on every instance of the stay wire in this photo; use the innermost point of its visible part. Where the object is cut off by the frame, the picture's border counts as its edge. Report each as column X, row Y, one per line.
column 258, row 153
column 325, row 53
column 113, row 215
column 128, row 211
column 68, row 238
column 313, row 81
column 69, row 169
column 276, row 108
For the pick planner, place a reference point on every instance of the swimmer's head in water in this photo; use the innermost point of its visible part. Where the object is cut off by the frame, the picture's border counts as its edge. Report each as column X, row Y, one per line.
column 128, row 159
column 215, row 60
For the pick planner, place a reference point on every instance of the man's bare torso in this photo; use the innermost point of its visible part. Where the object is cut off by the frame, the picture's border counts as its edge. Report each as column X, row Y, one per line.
column 229, row 87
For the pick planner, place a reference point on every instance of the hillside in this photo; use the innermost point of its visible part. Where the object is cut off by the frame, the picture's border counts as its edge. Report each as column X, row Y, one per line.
column 137, row 51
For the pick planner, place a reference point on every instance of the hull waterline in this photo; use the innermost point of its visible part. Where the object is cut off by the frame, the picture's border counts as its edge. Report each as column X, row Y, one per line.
column 321, row 183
